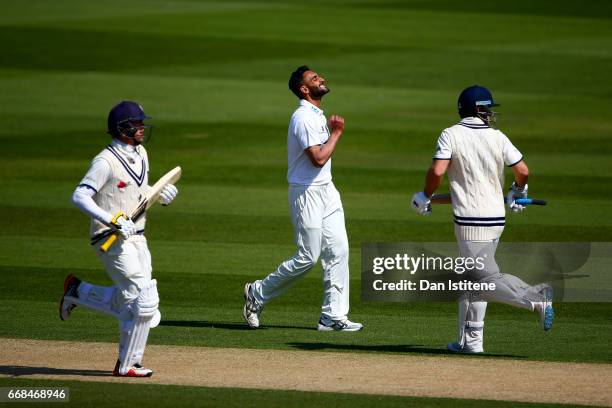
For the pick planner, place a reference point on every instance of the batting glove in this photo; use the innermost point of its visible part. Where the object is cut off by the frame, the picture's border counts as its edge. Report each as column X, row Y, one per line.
column 126, row 227
column 168, row 194
column 514, row 193
column 421, row 203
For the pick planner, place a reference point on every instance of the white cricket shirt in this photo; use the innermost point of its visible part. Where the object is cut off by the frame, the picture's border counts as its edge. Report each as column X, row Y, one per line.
column 308, row 127
column 119, row 178
column 478, row 154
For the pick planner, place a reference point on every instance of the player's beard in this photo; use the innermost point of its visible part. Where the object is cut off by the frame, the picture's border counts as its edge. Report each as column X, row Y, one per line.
column 318, row 92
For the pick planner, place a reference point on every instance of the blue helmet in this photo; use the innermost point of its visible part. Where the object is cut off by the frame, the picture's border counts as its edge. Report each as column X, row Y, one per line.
column 121, row 118
column 476, row 101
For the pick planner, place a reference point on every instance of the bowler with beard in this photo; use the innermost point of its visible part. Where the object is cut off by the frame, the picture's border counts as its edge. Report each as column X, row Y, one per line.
column 316, row 211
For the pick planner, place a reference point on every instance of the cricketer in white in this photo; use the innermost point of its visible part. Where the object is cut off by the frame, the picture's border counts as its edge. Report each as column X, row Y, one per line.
column 316, row 211
column 114, row 184
column 475, row 155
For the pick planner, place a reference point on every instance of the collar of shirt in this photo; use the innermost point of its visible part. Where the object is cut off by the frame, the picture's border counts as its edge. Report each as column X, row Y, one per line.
column 305, row 103
column 473, row 120
column 124, row 147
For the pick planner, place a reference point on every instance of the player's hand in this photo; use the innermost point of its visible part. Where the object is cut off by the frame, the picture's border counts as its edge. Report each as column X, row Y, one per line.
column 421, row 203
column 336, row 124
column 168, row 194
column 514, row 193
column 126, row 227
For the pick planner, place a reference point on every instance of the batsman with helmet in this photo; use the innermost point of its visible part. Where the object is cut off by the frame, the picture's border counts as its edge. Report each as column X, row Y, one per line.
column 474, row 155
column 116, row 181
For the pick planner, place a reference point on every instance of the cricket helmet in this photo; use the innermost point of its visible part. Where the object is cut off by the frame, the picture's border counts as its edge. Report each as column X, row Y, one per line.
column 477, row 101
column 122, row 117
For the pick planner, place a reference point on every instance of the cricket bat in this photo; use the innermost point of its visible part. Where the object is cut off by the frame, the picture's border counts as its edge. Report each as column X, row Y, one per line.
column 145, row 203
column 445, row 198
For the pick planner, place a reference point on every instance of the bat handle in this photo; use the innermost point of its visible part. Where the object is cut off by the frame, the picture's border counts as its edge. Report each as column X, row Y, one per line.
column 530, row 201
column 108, row 243
column 111, row 240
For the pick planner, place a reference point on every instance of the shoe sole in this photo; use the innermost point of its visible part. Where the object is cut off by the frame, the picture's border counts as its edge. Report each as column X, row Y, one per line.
column 457, row 349
column 322, row 327
column 244, row 309
column 549, row 316
column 61, row 307
column 133, row 376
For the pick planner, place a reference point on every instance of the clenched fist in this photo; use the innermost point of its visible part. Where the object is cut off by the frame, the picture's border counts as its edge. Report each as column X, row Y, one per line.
column 336, row 123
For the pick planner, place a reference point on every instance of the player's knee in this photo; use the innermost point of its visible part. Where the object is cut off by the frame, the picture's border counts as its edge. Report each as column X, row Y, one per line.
column 143, row 305
column 309, row 262
column 148, row 300
column 305, row 260
column 340, row 252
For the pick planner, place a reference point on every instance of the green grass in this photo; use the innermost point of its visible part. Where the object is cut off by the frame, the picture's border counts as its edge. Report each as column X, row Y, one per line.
column 213, row 75
column 96, row 394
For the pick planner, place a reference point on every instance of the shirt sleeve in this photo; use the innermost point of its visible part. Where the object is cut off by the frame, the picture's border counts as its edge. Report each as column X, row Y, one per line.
column 308, row 134
column 512, row 156
column 97, row 175
column 443, row 149
column 83, row 199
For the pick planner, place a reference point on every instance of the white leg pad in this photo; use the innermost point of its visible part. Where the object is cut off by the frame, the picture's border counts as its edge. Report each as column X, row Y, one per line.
column 156, row 319
column 134, row 333
column 96, row 297
column 134, row 341
column 473, row 335
column 471, row 321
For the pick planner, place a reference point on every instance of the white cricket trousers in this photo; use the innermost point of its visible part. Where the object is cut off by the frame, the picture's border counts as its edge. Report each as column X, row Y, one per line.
column 318, row 221
column 128, row 264
column 509, row 289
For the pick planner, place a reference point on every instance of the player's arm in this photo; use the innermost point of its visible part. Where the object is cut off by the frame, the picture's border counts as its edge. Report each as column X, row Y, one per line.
column 95, row 178
column 421, row 201
column 434, row 176
column 514, row 159
column 441, row 161
column 519, row 186
column 320, row 154
column 83, row 199
column 521, row 173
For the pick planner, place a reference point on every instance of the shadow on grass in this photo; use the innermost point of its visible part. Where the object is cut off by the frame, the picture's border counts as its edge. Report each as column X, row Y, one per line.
column 227, row 325
column 389, row 348
column 18, row 371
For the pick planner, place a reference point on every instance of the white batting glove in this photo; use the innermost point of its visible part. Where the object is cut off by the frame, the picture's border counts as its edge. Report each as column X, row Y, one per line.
column 168, row 194
column 127, row 228
column 514, row 193
column 421, row 203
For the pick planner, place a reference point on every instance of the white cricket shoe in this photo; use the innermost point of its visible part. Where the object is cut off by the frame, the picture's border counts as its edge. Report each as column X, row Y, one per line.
column 252, row 308
column 327, row 324
column 134, row 371
column 455, row 347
